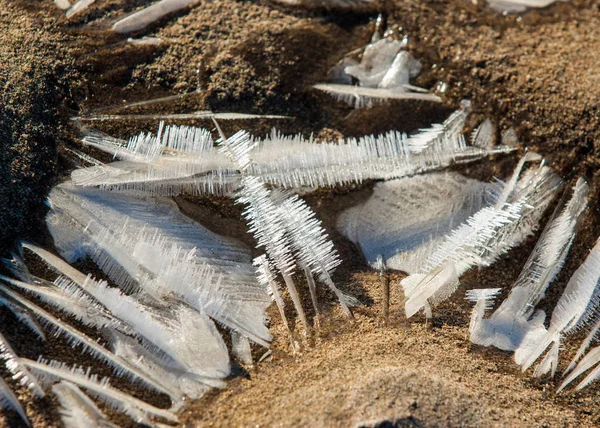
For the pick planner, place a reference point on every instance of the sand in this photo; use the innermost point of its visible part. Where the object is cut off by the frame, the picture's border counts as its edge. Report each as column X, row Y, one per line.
column 536, row 72
column 33, row 92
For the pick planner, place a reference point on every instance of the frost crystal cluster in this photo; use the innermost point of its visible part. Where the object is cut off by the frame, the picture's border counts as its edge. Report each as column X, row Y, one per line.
column 384, row 72
column 516, row 325
column 170, row 281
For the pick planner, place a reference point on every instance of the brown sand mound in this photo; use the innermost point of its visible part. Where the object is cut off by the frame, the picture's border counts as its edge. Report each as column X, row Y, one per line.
column 403, row 374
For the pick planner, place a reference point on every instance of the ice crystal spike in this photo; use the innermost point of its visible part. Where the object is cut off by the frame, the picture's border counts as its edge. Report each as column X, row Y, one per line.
column 285, row 226
column 237, row 148
column 313, row 248
column 358, row 96
column 509, row 324
column 138, row 410
column 171, row 162
column 158, row 178
column 480, row 240
column 19, row 371
column 483, row 135
column 404, row 219
column 8, row 400
column 150, row 14
column 77, row 410
column 191, row 143
column 590, row 360
column 178, row 159
column 266, row 277
column 17, row 267
column 510, row 186
column 577, row 308
column 484, row 301
column 68, row 298
column 24, row 317
column 187, row 339
column 143, row 103
column 79, row 7
column 76, row 337
column 263, row 217
column 293, row 162
column 201, row 337
column 83, row 158
column 591, row 337
column 147, row 359
column 267, row 227
column 207, row 115
column 55, row 263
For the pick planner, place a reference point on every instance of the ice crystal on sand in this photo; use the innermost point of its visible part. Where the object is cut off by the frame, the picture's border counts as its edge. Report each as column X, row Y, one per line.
column 89, row 345
column 515, row 6
column 284, row 226
column 77, row 410
column 384, row 72
column 150, row 14
column 517, row 326
column 149, row 245
column 482, row 238
column 141, row 412
column 510, row 323
column 405, row 219
column 172, row 162
column 172, row 280
column 8, row 400
column 576, row 310
column 177, row 116
column 17, row 368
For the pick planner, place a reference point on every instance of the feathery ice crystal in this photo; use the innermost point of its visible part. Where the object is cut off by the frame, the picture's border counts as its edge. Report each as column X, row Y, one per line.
column 175, row 279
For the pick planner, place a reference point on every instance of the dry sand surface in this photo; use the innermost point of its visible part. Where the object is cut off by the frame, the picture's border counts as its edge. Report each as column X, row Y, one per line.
column 537, row 72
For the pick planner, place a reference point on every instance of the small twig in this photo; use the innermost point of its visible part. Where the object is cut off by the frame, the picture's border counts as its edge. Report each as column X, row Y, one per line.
column 385, row 286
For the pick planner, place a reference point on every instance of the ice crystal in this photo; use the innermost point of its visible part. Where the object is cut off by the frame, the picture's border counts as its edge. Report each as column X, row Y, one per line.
column 384, row 72
column 576, row 309
column 77, row 410
column 405, row 219
column 138, row 410
column 510, row 323
column 482, row 238
column 515, row 6
column 149, row 14
column 148, row 245
column 182, row 160
column 285, row 226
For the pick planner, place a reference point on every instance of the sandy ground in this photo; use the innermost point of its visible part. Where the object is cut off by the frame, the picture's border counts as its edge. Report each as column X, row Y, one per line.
column 537, row 72
column 401, row 374
column 33, row 94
